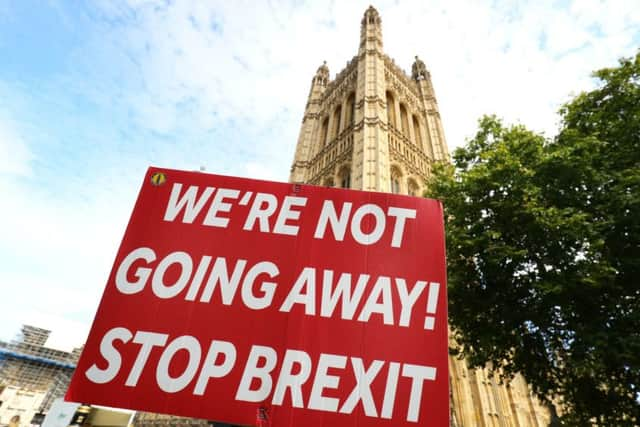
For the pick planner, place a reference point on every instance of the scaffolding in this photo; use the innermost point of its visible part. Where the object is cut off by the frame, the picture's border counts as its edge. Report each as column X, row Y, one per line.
column 27, row 364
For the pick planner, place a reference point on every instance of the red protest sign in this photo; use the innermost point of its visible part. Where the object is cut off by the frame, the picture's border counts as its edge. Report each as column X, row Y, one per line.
column 262, row 303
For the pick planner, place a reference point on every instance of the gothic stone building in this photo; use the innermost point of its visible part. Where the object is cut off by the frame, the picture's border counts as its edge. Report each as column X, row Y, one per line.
column 375, row 128
column 372, row 127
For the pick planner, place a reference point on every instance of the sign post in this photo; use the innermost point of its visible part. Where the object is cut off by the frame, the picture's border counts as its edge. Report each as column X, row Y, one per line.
column 262, row 303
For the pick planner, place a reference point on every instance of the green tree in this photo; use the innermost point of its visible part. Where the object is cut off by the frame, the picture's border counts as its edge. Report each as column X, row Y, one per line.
column 543, row 241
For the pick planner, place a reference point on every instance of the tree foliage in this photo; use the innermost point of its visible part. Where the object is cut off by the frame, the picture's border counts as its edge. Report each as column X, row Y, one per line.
column 543, row 241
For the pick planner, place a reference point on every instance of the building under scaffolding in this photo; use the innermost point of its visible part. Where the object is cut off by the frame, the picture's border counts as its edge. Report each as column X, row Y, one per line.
column 32, row 375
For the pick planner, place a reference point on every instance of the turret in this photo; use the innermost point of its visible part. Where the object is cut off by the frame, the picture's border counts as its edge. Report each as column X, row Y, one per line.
column 421, row 75
column 322, row 75
column 319, row 83
column 371, row 31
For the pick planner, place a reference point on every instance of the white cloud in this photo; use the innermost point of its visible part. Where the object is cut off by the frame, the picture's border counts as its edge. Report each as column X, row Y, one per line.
column 262, row 171
column 56, row 253
column 65, row 335
column 519, row 60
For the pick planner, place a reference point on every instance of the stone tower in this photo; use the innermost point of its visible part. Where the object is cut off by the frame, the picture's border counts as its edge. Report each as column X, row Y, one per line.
column 372, row 127
column 376, row 128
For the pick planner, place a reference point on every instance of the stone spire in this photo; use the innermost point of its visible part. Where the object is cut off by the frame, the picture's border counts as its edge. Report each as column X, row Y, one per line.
column 371, row 31
column 372, row 14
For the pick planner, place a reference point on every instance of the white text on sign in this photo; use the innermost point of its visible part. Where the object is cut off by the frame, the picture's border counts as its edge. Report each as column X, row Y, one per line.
column 315, row 292
column 297, row 369
column 336, row 221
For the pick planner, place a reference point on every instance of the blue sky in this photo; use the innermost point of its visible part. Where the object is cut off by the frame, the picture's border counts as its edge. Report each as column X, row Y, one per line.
column 93, row 93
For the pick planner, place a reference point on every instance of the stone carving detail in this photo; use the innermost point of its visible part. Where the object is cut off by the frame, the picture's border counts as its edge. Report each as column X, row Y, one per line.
column 344, row 83
column 403, row 95
column 398, row 73
column 419, row 70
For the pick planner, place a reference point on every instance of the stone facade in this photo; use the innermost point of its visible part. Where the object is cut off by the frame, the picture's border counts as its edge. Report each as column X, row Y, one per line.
column 376, row 128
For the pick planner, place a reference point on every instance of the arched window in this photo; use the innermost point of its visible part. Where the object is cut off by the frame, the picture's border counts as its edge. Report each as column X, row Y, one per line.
column 416, row 131
column 413, row 188
column 351, row 110
column 324, row 131
column 345, row 177
column 404, row 120
column 396, row 176
column 337, row 115
column 391, row 110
